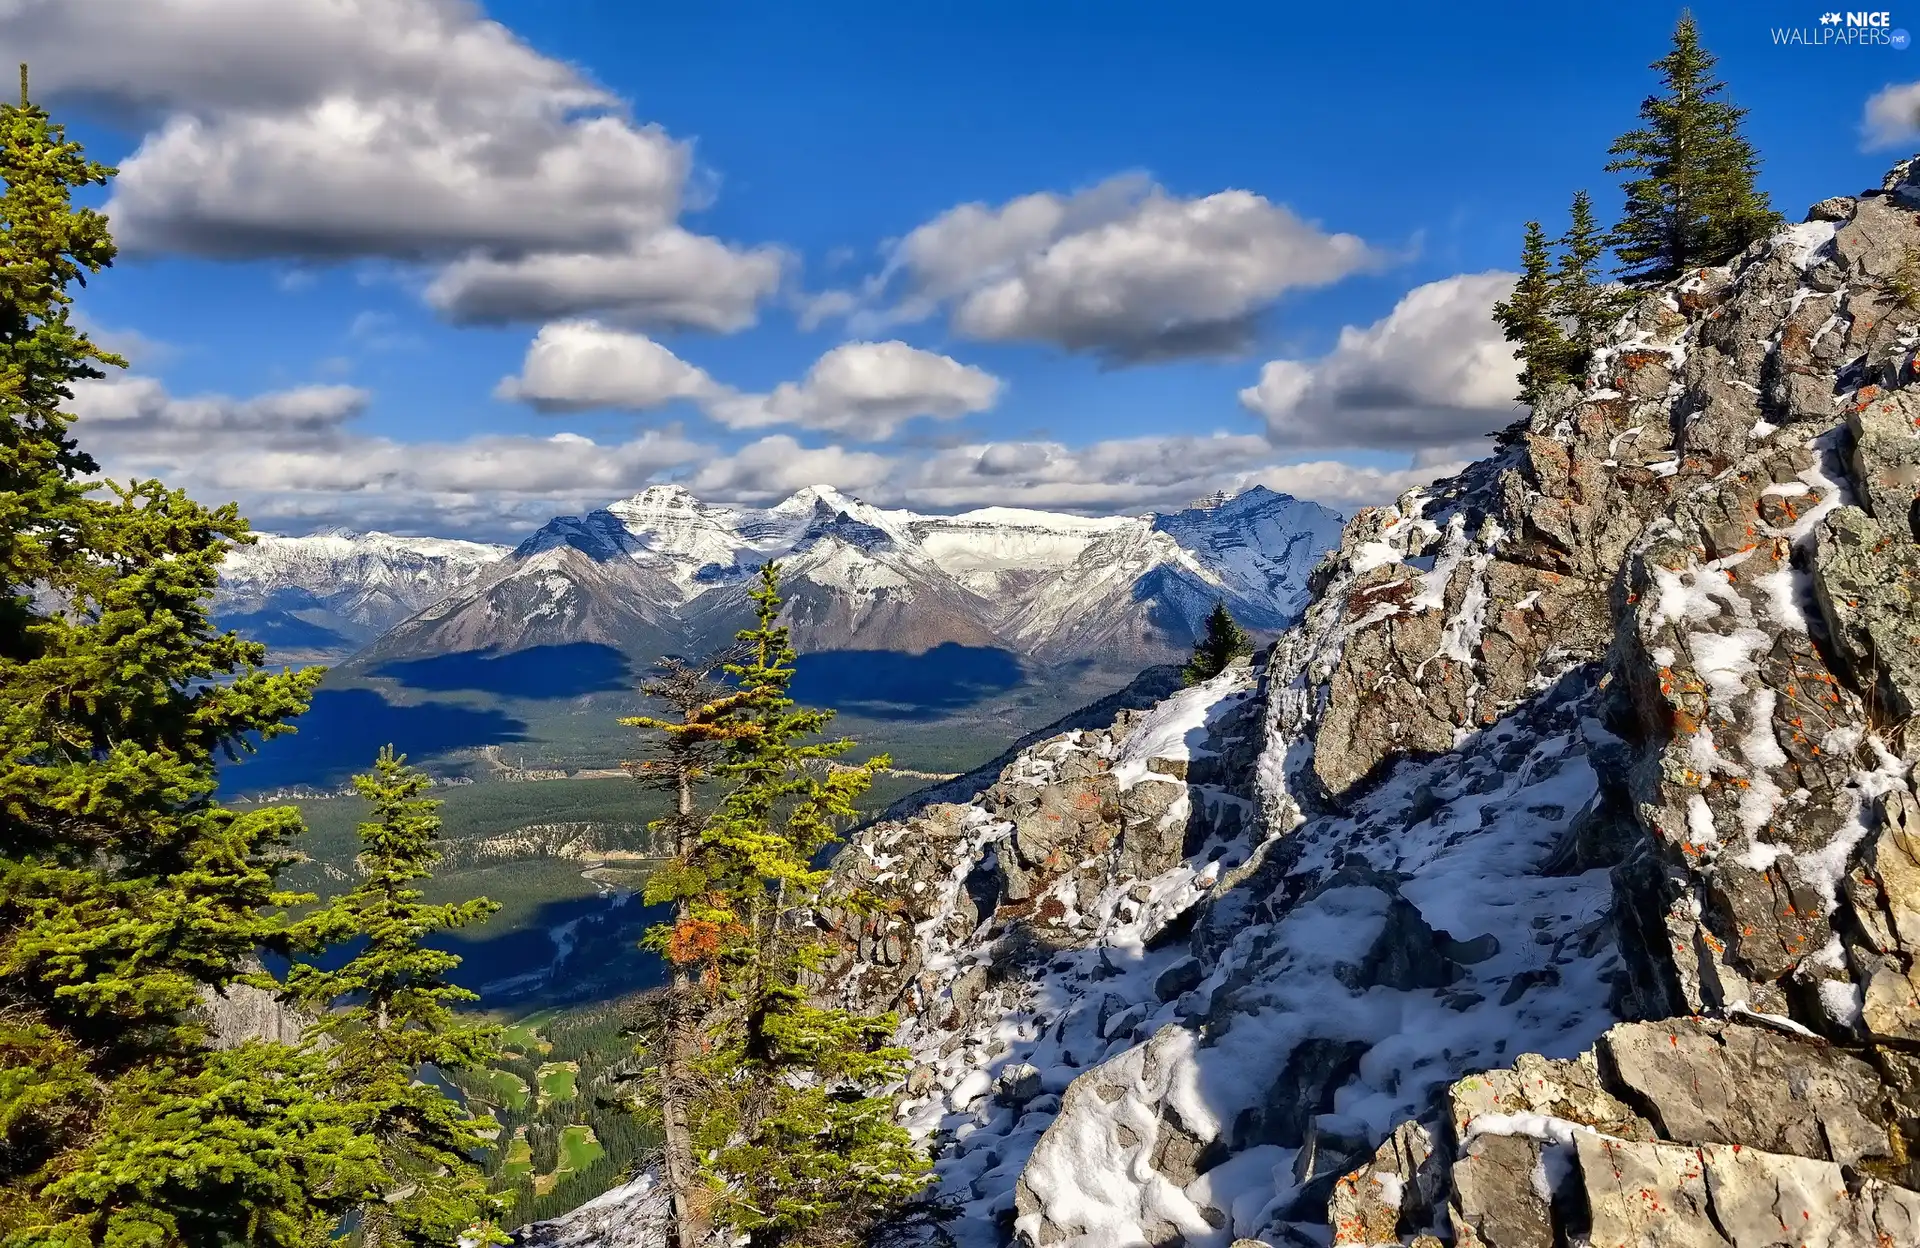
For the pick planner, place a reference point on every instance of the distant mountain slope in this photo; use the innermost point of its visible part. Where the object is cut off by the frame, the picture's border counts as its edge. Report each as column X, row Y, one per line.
column 665, row 572
column 329, row 593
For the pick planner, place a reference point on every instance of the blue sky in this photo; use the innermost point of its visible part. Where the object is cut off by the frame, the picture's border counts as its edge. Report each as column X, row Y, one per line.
column 322, row 197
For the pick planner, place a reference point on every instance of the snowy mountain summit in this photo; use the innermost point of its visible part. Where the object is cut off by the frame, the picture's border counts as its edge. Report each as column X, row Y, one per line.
column 334, row 590
column 1555, row 880
column 664, row 571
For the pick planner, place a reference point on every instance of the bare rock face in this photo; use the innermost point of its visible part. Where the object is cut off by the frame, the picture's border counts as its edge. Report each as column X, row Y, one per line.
column 1867, row 577
column 244, row 1013
column 1886, row 456
column 1716, row 1195
column 1705, row 1082
column 1556, row 880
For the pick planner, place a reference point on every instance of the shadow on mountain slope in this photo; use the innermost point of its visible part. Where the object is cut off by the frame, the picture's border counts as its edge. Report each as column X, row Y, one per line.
column 283, row 631
column 893, row 684
column 557, row 671
column 344, row 729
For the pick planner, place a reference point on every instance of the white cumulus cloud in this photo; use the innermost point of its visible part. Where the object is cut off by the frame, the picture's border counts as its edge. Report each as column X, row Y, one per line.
column 862, row 390
column 1435, row 371
column 1124, row 270
column 573, row 365
column 668, row 279
column 1133, row 474
column 866, row 390
column 410, row 130
column 294, row 459
column 777, row 465
column 1892, row 116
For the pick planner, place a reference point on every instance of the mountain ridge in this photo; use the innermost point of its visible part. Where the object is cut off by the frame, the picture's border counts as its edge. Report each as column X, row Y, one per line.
column 339, row 588
column 665, row 572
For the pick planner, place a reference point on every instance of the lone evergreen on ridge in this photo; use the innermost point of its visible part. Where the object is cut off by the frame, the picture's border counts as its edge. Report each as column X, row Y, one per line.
column 1692, row 201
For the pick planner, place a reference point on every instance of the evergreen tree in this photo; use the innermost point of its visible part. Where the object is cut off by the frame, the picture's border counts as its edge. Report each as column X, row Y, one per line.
column 794, row 1133
column 684, row 754
column 387, row 1016
column 1223, row 642
column 1531, row 323
column 1586, row 306
column 126, row 891
column 1691, row 201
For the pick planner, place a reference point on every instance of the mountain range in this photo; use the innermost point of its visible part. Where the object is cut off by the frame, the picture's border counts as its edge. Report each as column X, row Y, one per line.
column 665, row 572
column 329, row 593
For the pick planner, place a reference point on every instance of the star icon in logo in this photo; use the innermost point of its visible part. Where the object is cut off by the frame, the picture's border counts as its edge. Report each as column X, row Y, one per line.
column 1829, row 19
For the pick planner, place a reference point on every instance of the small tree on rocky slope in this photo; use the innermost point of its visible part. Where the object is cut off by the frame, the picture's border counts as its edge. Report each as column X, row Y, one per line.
column 1529, row 317
column 1586, row 305
column 1691, row 200
column 388, row 1013
column 1222, row 643
column 786, row 1106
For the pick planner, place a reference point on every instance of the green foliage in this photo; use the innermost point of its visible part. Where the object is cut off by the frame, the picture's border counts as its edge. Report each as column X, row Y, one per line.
column 598, row 1040
column 126, row 892
column 797, row 1142
column 1560, row 310
column 388, row 1014
column 1223, row 642
column 1586, row 305
column 1691, row 200
column 1529, row 317
column 1904, row 282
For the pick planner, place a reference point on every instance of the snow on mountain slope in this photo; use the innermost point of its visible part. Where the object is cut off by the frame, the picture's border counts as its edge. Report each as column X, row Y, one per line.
column 336, row 589
column 999, row 551
column 665, row 569
column 1555, row 880
column 1261, row 544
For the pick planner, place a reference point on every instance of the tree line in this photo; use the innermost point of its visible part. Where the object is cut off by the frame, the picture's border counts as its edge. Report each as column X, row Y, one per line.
column 1690, row 201
column 131, row 898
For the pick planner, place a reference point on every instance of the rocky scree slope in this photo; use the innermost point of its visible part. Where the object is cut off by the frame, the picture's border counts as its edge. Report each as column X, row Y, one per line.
column 1555, row 881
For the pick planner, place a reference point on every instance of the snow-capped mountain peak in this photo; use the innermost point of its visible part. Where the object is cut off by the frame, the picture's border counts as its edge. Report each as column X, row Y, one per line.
column 665, row 568
column 333, row 590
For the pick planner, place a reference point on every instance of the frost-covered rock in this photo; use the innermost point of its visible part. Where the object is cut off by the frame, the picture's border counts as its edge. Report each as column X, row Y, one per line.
column 635, row 1215
column 1867, row 579
column 1555, row 880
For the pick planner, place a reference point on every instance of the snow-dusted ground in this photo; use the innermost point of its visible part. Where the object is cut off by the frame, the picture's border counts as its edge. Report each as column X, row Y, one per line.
column 1183, row 1060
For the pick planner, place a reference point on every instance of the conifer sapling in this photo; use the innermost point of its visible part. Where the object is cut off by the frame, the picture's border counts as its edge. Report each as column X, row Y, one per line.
column 1531, row 322
column 387, row 1016
column 1222, row 643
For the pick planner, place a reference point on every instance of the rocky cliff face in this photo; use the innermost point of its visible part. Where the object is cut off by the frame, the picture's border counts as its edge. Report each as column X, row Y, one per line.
column 1555, row 881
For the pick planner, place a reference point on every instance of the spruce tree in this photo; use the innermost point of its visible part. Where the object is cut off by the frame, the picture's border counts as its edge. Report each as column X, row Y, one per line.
column 127, row 892
column 793, row 1125
column 1531, row 323
column 683, row 755
column 1222, row 643
column 1585, row 305
column 387, row 1016
column 1691, row 201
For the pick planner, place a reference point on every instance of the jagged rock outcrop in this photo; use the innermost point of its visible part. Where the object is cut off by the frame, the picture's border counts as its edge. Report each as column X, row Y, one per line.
column 1555, row 881
column 244, row 1013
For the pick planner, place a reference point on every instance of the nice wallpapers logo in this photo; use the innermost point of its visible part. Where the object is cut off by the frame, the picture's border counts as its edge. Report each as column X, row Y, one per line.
column 1846, row 30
